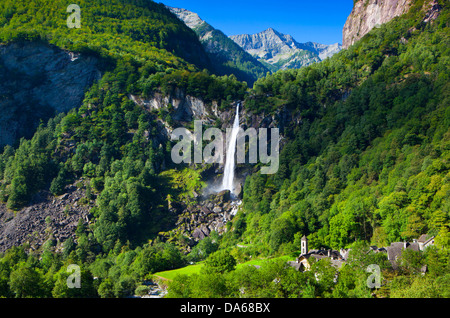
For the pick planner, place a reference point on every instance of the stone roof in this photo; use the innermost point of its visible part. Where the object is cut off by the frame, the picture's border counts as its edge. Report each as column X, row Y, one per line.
column 316, row 256
column 425, row 238
column 336, row 260
column 395, row 249
column 295, row 264
column 320, row 254
column 337, row 263
column 377, row 249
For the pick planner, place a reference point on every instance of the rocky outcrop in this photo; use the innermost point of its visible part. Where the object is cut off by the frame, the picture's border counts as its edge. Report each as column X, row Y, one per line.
column 198, row 218
column 191, row 19
column 432, row 9
column 367, row 14
column 185, row 108
column 37, row 81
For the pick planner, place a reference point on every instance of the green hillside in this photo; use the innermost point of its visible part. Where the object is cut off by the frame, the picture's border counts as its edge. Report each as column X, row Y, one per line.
column 370, row 160
column 138, row 28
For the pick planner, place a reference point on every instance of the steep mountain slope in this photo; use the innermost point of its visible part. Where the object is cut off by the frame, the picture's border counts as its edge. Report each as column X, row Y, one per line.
column 226, row 56
column 39, row 80
column 281, row 51
column 368, row 14
column 374, row 126
column 136, row 28
column 136, row 64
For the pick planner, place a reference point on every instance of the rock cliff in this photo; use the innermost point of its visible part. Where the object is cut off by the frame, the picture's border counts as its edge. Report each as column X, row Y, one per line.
column 37, row 81
column 367, row 14
column 191, row 19
column 186, row 108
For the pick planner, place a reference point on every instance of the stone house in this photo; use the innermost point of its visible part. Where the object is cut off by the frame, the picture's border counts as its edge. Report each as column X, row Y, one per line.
column 424, row 241
column 394, row 251
column 302, row 263
column 338, row 258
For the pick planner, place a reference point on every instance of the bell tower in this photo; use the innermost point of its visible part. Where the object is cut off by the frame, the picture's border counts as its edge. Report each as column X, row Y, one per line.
column 304, row 245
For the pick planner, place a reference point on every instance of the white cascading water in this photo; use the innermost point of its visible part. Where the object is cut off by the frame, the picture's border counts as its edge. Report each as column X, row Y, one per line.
column 228, row 175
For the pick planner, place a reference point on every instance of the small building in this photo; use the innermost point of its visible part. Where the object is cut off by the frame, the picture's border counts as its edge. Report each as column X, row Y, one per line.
column 302, row 262
column 424, row 241
column 394, row 251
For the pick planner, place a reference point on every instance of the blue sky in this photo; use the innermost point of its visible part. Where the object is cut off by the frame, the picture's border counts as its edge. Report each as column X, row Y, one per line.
column 317, row 21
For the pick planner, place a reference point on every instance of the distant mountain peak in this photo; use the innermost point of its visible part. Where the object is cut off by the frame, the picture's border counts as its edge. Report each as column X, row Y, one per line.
column 282, row 51
column 271, row 30
column 191, row 19
column 274, row 49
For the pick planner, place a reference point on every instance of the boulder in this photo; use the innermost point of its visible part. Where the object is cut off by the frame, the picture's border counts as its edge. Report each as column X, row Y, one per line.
column 206, row 210
column 221, row 197
column 238, row 191
column 198, row 234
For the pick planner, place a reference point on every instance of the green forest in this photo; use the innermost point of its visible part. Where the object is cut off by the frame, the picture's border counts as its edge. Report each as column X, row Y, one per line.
column 368, row 164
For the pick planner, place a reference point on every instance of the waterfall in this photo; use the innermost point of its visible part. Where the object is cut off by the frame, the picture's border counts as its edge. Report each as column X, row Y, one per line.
column 228, row 175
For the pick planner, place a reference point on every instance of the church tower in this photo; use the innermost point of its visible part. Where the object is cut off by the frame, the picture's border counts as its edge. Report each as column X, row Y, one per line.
column 304, row 245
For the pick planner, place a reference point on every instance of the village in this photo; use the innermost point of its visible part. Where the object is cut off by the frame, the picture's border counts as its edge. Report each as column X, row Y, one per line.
column 339, row 258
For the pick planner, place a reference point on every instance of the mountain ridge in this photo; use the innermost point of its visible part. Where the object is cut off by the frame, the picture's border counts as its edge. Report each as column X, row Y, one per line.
column 274, row 47
column 226, row 56
column 270, row 48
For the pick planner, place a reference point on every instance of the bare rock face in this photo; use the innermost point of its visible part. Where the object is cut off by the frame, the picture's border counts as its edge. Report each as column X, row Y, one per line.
column 191, row 19
column 367, row 14
column 432, row 9
column 185, row 108
column 38, row 80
